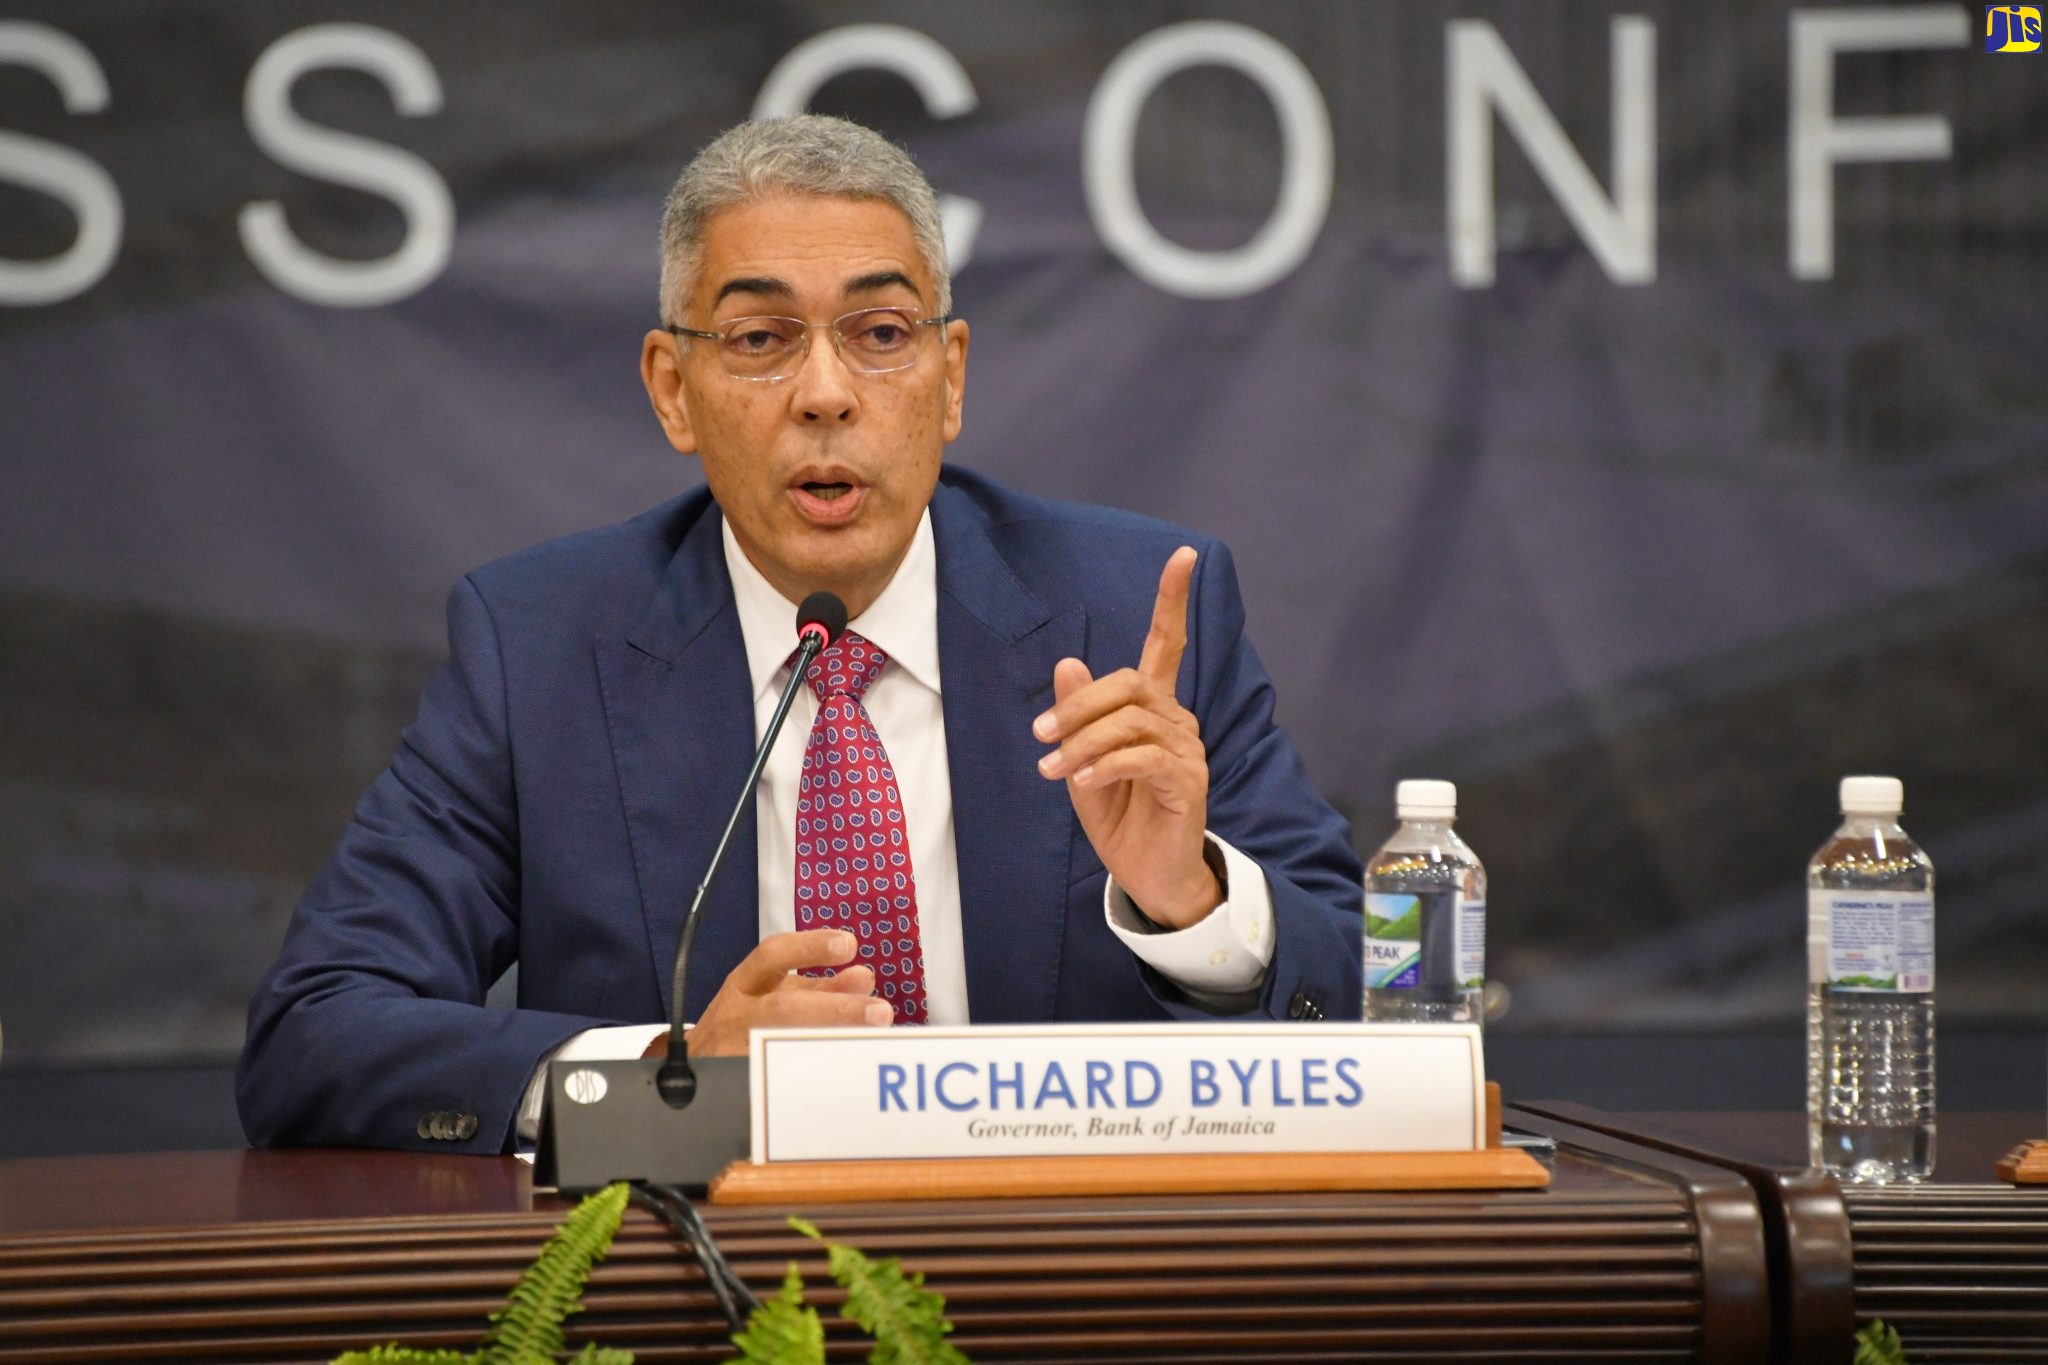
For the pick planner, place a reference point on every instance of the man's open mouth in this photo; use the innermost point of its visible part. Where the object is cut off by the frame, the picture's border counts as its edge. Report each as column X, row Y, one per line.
column 828, row 492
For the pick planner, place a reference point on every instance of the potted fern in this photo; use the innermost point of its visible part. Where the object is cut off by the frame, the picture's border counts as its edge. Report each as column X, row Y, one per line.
column 906, row 1320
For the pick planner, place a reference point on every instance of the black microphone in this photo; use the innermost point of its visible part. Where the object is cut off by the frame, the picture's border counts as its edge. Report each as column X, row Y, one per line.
column 819, row 622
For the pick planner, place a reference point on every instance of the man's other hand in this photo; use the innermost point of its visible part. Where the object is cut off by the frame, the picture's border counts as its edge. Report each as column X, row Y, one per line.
column 1135, row 767
column 764, row 992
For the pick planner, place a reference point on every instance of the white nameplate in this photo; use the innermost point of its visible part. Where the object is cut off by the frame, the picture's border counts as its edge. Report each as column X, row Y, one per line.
column 1099, row 1090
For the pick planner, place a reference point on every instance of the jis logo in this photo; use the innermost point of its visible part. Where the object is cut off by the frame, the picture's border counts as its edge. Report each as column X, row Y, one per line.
column 2012, row 28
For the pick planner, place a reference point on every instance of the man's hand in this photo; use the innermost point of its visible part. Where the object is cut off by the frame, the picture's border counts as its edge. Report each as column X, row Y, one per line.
column 1135, row 767
column 763, row 992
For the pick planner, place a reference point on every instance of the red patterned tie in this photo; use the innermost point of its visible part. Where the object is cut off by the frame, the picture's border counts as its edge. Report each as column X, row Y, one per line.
column 852, row 853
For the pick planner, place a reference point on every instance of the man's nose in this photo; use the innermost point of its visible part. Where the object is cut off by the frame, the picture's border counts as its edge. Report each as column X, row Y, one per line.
column 822, row 389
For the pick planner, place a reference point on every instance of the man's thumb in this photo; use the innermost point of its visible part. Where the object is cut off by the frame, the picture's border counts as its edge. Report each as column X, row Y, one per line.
column 1068, row 677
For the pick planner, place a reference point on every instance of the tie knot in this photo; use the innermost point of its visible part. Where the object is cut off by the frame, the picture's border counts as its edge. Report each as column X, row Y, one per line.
column 845, row 668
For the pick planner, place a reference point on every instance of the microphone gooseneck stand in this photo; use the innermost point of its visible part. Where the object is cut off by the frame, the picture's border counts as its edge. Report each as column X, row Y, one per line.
column 819, row 621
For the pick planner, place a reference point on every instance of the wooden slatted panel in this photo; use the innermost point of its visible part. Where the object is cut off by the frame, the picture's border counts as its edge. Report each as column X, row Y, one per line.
column 1608, row 1275
column 1960, row 1270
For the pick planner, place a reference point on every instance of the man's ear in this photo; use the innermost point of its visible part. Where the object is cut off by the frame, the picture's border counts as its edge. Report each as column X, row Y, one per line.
column 956, row 375
column 662, row 374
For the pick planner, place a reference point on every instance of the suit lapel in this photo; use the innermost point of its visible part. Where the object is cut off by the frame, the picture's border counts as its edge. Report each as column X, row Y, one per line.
column 1012, row 829
column 679, row 710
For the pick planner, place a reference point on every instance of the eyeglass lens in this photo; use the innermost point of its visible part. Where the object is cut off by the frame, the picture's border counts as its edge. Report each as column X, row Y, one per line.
column 873, row 341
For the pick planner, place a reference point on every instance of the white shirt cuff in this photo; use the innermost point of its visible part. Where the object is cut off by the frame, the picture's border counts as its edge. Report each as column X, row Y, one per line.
column 1224, row 954
column 621, row 1043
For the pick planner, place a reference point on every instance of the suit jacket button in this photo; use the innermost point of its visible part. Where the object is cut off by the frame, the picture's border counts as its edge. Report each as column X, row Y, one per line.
column 1297, row 1004
column 426, row 1125
column 465, row 1127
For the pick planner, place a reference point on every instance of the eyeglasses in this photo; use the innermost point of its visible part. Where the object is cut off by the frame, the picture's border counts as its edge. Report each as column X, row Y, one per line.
column 868, row 340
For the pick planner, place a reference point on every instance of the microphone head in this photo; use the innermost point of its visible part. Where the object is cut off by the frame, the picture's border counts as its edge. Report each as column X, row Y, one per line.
column 822, row 614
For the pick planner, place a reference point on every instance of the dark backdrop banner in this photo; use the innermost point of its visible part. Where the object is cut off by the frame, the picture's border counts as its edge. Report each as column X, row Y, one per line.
column 1634, row 413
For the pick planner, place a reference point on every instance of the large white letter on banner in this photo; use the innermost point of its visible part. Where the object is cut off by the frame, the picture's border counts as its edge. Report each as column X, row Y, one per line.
column 1819, row 140
column 940, row 81
column 418, row 190
column 1481, row 78
column 1109, row 143
column 86, row 189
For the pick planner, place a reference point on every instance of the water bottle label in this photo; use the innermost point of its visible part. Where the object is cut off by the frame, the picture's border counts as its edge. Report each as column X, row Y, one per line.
column 1871, row 941
column 1431, row 939
column 1393, row 938
column 1471, row 944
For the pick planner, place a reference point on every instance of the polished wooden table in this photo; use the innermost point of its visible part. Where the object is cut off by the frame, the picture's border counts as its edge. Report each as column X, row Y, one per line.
column 1958, row 1265
column 1631, row 1255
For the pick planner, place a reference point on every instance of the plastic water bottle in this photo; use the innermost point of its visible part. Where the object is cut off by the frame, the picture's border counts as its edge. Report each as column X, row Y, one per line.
column 1870, row 993
column 1425, row 915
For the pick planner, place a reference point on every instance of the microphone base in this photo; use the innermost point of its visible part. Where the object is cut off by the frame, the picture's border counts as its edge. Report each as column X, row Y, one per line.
column 606, row 1121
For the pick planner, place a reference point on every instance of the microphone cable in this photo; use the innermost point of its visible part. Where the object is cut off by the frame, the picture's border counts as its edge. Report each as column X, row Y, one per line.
column 735, row 1301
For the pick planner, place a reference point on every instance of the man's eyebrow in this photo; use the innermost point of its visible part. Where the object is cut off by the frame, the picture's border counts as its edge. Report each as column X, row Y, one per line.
column 879, row 279
column 754, row 284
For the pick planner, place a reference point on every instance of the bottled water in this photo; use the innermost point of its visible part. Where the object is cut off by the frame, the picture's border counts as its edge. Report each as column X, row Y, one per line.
column 1425, row 915
column 1870, row 994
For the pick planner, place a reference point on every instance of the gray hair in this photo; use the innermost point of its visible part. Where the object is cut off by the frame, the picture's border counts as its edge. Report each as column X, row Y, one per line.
column 812, row 154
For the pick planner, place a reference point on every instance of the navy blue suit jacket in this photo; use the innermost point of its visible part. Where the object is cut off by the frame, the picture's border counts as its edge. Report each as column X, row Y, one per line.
column 573, row 763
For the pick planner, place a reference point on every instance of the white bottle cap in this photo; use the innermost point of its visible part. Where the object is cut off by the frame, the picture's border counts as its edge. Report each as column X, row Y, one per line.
column 1423, row 800
column 1873, row 796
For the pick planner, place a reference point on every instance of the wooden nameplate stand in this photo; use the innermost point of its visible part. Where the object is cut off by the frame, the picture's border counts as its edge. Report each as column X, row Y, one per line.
column 1494, row 1167
column 2026, row 1164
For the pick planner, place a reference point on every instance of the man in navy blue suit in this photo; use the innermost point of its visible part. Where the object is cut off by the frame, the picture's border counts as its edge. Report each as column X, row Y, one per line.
column 1103, row 820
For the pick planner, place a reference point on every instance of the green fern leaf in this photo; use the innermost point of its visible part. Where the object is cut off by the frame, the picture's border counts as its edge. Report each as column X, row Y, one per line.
column 394, row 1354
column 907, row 1321
column 1879, row 1344
column 529, row 1327
column 782, row 1331
column 601, row 1355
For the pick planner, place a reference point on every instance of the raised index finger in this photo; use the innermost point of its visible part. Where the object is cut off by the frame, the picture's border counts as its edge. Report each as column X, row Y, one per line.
column 1167, row 639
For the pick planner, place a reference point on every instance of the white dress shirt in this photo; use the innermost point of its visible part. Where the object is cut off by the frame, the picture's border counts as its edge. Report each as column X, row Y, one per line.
column 1220, row 961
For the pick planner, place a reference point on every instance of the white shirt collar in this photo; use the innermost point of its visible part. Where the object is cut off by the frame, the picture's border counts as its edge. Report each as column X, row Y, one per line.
column 903, row 621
